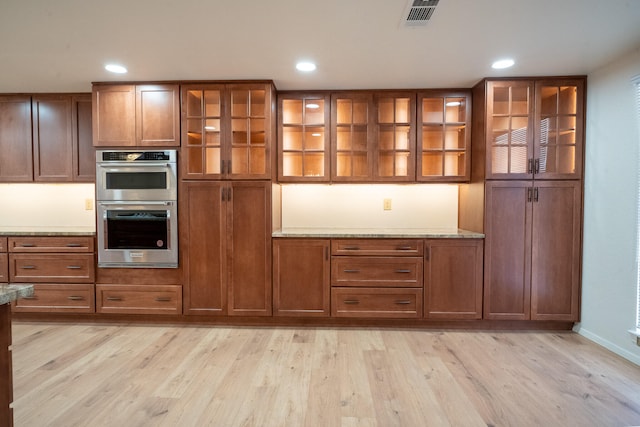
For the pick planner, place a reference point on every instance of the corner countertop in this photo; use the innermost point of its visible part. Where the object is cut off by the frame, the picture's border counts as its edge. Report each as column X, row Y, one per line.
column 14, row 291
column 47, row 231
column 400, row 233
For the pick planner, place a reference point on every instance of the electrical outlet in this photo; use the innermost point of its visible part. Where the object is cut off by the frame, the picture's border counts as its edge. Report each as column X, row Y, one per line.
column 387, row 204
column 88, row 204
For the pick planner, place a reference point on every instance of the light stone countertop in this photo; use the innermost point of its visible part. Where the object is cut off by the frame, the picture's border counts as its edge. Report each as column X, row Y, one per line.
column 14, row 291
column 47, row 231
column 399, row 233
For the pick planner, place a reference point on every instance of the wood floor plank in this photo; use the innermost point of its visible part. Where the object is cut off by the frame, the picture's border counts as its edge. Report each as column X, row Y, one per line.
column 136, row 375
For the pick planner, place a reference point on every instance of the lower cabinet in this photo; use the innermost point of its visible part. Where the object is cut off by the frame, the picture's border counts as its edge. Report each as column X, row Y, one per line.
column 376, row 302
column 139, row 299
column 225, row 230
column 58, row 297
column 453, row 279
column 4, row 261
column 301, row 272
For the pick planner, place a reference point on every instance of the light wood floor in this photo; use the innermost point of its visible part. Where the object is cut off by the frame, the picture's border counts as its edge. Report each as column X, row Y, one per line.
column 124, row 375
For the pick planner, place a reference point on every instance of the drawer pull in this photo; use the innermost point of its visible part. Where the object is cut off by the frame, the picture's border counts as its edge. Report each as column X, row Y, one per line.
column 74, row 267
column 27, row 245
column 404, row 248
column 114, row 298
column 28, row 267
column 401, row 270
column 351, row 271
column 31, row 297
column 163, row 299
column 351, row 301
column 75, row 298
column 352, row 248
column 402, row 302
column 74, row 245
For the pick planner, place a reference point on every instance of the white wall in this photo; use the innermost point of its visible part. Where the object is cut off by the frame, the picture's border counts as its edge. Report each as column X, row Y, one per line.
column 47, row 207
column 360, row 206
column 611, row 179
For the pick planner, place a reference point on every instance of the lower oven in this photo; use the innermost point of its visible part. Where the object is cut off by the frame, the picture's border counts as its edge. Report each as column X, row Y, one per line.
column 137, row 234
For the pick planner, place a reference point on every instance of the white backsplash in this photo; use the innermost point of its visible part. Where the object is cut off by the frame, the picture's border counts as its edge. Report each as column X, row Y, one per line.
column 361, row 206
column 47, row 205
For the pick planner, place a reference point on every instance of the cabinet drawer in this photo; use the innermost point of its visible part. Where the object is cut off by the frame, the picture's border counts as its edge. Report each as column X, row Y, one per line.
column 3, row 244
column 4, row 268
column 376, row 302
column 64, row 298
column 51, row 244
column 45, row 268
column 139, row 299
column 378, row 271
column 380, row 247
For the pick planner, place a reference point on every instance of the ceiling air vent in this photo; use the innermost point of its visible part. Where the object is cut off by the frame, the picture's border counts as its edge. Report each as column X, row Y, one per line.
column 419, row 12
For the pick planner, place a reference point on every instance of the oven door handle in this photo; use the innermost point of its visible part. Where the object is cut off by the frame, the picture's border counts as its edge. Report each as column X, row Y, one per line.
column 136, row 203
column 117, row 167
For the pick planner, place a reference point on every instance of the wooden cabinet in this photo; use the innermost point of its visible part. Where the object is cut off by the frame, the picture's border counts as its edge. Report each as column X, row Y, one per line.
column 453, row 279
column 4, row 261
column 52, row 137
column 84, row 154
column 226, row 247
column 444, row 136
column 532, row 250
column 6, row 367
column 301, row 277
column 144, row 115
column 304, row 137
column 62, row 270
column 227, row 131
column 379, row 278
column 16, row 161
column 139, row 299
column 534, row 129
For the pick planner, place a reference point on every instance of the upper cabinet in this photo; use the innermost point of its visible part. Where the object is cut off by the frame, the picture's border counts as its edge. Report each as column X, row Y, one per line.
column 145, row 115
column 444, row 136
column 227, row 131
column 534, row 129
column 15, row 139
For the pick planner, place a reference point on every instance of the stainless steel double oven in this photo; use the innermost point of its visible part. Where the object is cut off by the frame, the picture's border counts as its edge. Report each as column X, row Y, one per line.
column 136, row 207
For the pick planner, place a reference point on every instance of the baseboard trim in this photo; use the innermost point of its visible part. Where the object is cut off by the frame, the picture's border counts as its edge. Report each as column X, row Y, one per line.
column 632, row 357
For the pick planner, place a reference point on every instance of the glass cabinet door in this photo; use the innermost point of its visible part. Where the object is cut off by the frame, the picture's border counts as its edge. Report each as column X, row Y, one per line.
column 395, row 131
column 351, row 137
column 303, row 146
column 559, row 125
column 202, row 138
column 444, row 136
column 509, row 130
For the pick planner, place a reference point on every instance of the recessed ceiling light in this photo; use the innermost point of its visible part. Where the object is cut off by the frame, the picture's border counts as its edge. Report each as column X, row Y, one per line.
column 313, row 106
column 502, row 63
column 305, row 66
column 115, row 68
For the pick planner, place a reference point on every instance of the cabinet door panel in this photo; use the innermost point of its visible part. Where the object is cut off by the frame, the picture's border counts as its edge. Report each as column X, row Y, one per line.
column 114, row 121
column 555, row 266
column 4, row 268
column 301, row 277
column 202, row 245
column 84, row 154
column 158, row 115
column 52, row 138
column 15, row 139
column 507, row 280
column 249, row 254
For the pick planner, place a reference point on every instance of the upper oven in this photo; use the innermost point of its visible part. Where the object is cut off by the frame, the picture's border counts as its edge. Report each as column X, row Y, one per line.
column 136, row 175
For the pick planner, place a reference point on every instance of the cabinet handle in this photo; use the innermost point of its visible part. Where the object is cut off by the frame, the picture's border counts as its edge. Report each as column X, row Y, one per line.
column 74, row 245
column 535, row 194
column 223, row 191
column 326, row 253
column 114, row 298
column 229, row 167
column 163, row 299
column 529, row 194
column 351, row 271
column 31, row 297
column 427, row 253
column 27, row 245
column 536, row 166
column 530, row 166
column 403, row 271
column 222, row 167
column 351, row 301
column 28, row 267
column 229, row 191
column 74, row 267
column 352, row 248
column 75, row 298
column 404, row 248
column 402, row 302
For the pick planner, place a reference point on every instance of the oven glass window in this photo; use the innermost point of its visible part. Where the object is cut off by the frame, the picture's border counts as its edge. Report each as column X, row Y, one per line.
column 137, row 229
column 136, row 180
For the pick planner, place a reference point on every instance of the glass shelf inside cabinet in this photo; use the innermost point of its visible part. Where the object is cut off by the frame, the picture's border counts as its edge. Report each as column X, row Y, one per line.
column 303, row 137
column 557, row 130
column 444, row 137
column 509, row 127
column 394, row 137
column 248, row 132
column 203, row 131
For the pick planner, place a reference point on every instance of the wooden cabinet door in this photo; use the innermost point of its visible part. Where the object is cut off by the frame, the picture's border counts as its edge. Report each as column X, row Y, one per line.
column 114, row 122
column 202, row 247
column 507, row 268
column 556, row 257
column 249, row 248
column 158, row 115
column 84, row 154
column 16, row 162
column 301, row 271
column 52, row 138
column 4, row 268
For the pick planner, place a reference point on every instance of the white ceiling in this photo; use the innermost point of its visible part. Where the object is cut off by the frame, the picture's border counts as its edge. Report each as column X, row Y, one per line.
column 62, row 45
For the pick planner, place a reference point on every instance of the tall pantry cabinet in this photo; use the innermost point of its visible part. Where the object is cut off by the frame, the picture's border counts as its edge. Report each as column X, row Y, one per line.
column 528, row 150
column 225, row 197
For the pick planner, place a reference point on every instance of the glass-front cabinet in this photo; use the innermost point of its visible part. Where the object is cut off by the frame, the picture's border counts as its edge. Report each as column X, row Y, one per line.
column 535, row 129
column 444, row 136
column 395, row 136
column 303, row 140
column 226, row 131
